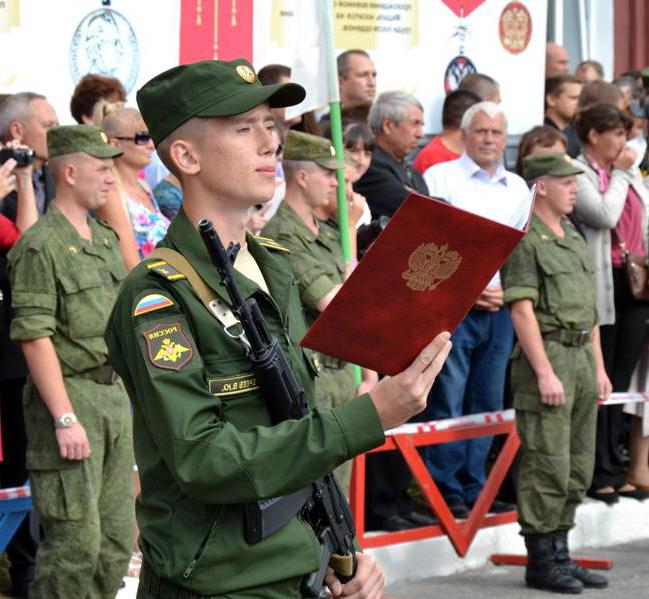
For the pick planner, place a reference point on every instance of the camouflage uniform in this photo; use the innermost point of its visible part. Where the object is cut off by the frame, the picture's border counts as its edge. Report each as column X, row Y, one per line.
column 63, row 287
column 558, row 442
column 319, row 266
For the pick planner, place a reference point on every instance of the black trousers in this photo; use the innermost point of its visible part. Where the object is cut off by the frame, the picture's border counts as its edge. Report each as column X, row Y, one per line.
column 387, row 479
column 21, row 551
column 622, row 344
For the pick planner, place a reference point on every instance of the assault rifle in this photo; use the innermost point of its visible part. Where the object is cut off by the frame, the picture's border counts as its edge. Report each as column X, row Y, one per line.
column 322, row 503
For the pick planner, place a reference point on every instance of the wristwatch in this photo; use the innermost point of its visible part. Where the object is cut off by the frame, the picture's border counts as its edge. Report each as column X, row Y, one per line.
column 66, row 420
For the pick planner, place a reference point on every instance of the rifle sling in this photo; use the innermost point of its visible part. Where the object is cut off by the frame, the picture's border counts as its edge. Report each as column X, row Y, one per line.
column 211, row 301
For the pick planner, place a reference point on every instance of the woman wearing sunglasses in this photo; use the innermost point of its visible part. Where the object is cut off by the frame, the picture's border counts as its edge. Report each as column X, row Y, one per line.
column 132, row 210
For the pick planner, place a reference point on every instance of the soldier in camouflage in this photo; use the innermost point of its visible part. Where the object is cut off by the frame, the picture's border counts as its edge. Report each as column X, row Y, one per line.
column 557, row 375
column 309, row 165
column 65, row 273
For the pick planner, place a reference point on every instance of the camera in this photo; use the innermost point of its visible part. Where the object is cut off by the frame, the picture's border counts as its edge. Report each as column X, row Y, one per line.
column 22, row 157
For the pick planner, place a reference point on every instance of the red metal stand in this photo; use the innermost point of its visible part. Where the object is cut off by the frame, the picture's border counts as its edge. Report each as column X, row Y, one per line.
column 460, row 533
column 507, row 559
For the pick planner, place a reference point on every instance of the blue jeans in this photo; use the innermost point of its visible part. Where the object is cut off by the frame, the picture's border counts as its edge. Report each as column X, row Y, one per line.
column 472, row 381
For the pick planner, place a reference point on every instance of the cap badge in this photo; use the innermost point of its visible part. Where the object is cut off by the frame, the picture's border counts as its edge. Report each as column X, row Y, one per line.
column 567, row 158
column 246, row 73
column 103, row 136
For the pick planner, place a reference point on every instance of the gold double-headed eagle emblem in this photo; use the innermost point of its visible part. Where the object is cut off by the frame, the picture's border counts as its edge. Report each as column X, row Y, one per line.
column 430, row 265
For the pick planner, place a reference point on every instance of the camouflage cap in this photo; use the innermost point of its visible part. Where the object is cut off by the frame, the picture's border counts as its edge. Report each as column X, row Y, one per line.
column 304, row 146
column 69, row 139
column 554, row 164
column 210, row 88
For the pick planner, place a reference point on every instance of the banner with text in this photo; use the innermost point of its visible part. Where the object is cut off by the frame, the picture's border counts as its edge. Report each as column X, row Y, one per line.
column 427, row 47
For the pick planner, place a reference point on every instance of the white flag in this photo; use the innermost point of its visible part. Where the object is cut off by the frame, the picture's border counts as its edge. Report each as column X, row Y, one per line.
column 314, row 65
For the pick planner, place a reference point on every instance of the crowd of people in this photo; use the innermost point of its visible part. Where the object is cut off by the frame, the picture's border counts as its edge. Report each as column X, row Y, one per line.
column 555, row 331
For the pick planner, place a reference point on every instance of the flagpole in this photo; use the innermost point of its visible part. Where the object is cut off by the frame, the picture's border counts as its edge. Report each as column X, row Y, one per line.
column 336, row 127
column 337, row 139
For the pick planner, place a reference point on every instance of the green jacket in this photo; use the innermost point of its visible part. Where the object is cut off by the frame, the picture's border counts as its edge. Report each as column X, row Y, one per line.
column 317, row 260
column 557, row 274
column 203, row 438
column 64, row 286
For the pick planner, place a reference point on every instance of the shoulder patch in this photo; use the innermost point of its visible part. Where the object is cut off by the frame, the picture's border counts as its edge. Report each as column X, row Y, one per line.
column 165, row 270
column 271, row 244
column 151, row 302
column 168, row 346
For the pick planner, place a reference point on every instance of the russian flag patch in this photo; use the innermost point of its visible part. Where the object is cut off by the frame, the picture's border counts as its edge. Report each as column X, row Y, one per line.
column 151, row 302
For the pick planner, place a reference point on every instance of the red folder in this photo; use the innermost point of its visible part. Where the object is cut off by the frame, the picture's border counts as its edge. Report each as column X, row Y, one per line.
column 420, row 277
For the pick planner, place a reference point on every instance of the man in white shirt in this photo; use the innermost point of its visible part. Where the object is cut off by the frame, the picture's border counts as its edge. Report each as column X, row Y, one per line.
column 472, row 381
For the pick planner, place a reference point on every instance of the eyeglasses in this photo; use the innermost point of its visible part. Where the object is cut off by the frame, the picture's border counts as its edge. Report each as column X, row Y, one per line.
column 139, row 139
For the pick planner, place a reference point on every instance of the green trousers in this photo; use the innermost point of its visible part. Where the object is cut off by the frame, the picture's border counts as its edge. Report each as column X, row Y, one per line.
column 558, row 443
column 335, row 386
column 85, row 506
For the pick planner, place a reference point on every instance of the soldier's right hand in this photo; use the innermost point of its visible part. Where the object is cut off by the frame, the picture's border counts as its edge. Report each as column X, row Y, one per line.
column 551, row 390
column 398, row 398
column 73, row 442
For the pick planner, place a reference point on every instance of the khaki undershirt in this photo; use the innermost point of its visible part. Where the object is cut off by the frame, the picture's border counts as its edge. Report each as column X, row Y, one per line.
column 247, row 266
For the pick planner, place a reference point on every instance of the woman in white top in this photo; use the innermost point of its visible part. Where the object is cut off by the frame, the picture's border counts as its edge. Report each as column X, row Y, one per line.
column 132, row 210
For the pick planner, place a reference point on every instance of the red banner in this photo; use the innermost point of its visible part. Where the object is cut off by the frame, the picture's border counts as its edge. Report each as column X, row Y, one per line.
column 215, row 29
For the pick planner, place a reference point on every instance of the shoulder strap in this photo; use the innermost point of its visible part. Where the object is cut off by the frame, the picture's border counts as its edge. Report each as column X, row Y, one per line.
column 217, row 308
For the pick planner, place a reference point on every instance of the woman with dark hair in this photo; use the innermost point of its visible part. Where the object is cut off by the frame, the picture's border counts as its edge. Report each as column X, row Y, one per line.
column 91, row 89
column 612, row 206
column 537, row 140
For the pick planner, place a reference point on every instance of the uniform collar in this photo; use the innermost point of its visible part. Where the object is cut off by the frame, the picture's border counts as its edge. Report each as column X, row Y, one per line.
column 297, row 224
column 183, row 237
column 546, row 234
column 69, row 235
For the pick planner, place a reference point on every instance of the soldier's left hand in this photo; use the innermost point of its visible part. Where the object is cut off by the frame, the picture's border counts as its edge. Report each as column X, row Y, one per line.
column 368, row 583
column 604, row 386
column 73, row 442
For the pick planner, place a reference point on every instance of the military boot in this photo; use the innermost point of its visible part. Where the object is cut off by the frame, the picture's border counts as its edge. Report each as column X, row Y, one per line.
column 542, row 570
column 562, row 557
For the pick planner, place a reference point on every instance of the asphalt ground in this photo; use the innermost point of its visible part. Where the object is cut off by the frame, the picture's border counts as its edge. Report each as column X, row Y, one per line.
column 629, row 579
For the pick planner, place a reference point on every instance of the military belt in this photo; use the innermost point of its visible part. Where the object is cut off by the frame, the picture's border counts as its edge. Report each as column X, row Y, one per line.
column 568, row 337
column 331, row 362
column 102, row 375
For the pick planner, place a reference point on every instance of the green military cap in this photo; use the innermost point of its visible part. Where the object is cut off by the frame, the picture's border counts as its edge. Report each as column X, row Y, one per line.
column 208, row 88
column 554, row 164
column 69, row 139
column 304, row 146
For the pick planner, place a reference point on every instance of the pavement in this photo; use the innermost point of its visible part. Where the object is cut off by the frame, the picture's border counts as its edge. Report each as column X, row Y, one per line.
column 629, row 579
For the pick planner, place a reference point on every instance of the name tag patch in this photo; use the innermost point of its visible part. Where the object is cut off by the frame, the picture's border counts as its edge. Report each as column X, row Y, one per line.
column 233, row 385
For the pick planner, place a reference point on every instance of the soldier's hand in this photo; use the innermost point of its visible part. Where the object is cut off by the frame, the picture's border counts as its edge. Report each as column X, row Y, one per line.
column 367, row 584
column 400, row 397
column 551, row 389
column 73, row 442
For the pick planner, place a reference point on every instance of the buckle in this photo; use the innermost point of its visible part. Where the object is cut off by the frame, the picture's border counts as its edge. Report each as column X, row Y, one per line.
column 583, row 336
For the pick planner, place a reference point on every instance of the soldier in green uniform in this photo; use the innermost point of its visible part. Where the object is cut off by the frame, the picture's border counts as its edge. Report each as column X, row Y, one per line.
column 557, row 374
column 204, row 442
column 65, row 273
column 309, row 164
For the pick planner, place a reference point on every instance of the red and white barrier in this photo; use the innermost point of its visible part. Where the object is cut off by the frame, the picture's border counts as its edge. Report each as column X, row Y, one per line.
column 15, row 492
